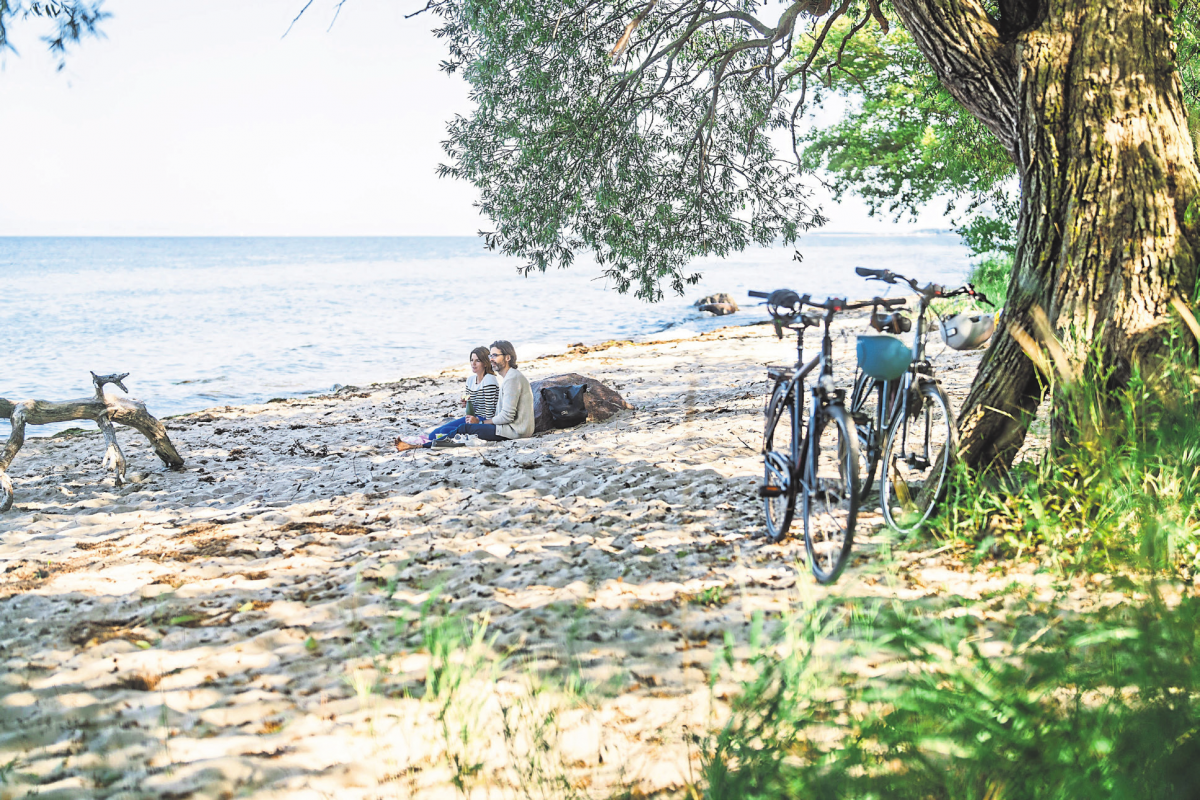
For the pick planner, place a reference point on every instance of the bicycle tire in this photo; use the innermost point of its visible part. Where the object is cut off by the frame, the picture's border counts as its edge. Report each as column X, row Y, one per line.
column 830, row 492
column 864, row 410
column 778, row 468
column 916, row 460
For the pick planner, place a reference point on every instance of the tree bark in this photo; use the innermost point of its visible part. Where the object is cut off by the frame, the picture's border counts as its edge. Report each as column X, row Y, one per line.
column 1108, row 173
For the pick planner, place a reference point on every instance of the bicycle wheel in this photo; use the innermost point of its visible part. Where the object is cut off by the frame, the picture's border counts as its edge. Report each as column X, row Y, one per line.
column 779, row 488
column 917, row 454
column 830, row 496
column 864, row 410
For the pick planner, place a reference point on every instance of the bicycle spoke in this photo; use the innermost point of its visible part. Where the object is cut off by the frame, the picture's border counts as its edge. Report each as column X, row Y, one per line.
column 778, row 490
column 830, row 498
column 864, row 410
column 917, row 459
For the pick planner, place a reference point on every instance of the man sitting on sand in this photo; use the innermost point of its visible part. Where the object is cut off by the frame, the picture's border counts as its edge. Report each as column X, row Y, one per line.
column 514, row 413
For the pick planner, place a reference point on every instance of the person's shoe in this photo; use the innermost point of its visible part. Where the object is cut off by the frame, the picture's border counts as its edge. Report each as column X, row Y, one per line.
column 448, row 442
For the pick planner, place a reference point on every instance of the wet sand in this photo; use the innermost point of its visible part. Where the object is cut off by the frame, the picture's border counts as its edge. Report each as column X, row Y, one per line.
column 251, row 626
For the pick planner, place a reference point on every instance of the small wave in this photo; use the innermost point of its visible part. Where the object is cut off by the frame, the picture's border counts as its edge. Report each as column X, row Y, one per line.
column 199, row 380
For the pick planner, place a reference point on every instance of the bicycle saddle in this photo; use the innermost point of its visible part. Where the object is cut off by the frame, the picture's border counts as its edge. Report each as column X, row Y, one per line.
column 784, row 305
column 891, row 323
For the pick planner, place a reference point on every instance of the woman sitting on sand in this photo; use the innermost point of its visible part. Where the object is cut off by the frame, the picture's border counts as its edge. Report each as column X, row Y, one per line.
column 513, row 418
column 480, row 397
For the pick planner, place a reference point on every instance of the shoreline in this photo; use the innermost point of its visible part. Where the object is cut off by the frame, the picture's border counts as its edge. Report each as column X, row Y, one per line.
column 255, row 624
column 235, row 324
column 35, row 431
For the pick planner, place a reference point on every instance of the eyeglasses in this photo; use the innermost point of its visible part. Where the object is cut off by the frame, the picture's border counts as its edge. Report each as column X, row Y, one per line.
column 494, row 356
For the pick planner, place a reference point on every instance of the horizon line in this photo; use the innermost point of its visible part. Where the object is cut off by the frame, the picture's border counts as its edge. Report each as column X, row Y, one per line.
column 919, row 231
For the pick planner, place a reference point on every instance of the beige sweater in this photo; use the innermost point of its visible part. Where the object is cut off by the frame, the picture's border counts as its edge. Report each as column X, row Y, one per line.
column 514, row 415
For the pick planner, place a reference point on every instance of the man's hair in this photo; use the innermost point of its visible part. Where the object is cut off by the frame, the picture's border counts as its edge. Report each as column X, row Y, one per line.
column 484, row 358
column 507, row 349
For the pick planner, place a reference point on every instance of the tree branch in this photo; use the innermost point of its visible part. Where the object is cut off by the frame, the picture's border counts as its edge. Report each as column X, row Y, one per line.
column 972, row 59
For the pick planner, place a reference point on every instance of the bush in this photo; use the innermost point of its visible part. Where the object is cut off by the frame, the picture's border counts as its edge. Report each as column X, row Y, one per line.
column 991, row 276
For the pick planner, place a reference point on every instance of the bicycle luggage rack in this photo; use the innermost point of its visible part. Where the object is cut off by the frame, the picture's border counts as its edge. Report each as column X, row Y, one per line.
column 779, row 373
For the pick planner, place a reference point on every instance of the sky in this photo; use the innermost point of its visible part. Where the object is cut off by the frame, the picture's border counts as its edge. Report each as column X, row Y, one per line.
column 203, row 119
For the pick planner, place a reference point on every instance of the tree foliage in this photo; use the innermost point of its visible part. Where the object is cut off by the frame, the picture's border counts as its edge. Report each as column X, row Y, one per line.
column 904, row 142
column 642, row 131
column 66, row 22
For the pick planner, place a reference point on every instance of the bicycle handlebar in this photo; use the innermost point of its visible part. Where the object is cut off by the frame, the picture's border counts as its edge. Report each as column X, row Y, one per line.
column 929, row 291
column 796, row 302
column 877, row 274
column 969, row 289
column 840, row 304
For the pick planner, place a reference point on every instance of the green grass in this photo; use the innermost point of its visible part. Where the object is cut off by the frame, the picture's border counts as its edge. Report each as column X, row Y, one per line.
column 1119, row 489
column 1016, row 695
column 1102, row 705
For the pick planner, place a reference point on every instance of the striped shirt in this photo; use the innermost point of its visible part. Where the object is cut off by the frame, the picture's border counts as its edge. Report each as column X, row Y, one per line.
column 484, row 395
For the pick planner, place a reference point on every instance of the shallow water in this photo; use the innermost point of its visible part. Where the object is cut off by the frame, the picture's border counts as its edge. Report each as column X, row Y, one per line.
column 199, row 322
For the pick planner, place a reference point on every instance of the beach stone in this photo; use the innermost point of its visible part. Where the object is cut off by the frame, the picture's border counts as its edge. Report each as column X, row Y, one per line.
column 601, row 401
column 719, row 304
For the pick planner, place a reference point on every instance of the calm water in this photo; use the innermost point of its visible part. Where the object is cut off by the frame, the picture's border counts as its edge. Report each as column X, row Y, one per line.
column 215, row 321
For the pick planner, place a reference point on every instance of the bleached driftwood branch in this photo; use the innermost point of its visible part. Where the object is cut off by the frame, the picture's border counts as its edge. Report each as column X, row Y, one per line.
column 105, row 409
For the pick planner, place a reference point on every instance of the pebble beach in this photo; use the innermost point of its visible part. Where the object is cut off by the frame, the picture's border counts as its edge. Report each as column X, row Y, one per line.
column 264, row 622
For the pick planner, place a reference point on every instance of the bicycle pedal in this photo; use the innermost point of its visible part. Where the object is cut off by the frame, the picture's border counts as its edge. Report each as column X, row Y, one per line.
column 770, row 491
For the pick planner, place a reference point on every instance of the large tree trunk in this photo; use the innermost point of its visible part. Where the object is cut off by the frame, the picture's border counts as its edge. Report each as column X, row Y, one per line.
column 1085, row 96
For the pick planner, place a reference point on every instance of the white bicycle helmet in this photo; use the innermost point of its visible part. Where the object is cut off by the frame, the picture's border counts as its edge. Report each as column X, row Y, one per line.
column 967, row 331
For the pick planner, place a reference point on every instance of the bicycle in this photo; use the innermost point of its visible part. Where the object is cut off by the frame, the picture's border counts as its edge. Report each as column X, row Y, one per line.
column 822, row 464
column 901, row 413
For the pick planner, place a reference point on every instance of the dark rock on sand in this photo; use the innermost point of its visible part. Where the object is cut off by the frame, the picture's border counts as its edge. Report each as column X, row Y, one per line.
column 601, row 401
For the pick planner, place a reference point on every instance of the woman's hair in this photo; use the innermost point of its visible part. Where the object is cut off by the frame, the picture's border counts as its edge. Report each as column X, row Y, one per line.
column 484, row 358
column 506, row 347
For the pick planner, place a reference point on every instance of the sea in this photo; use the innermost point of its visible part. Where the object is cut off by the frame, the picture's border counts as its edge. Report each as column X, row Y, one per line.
column 203, row 322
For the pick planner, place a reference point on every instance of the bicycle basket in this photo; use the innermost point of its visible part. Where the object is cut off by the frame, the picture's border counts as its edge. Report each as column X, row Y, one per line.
column 967, row 331
column 883, row 357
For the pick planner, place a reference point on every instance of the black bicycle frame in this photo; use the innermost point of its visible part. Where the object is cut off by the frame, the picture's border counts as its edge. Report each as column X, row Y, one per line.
column 825, row 360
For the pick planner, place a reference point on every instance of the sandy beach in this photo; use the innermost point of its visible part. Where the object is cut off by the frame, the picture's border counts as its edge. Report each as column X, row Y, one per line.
column 252, row 626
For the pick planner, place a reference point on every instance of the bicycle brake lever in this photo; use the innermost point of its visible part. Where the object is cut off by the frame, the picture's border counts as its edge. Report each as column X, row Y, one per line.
column 978, row 295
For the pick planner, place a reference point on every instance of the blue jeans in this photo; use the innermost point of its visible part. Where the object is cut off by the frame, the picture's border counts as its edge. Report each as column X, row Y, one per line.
column 483, row 431
column 460, row 426
column 447, row 429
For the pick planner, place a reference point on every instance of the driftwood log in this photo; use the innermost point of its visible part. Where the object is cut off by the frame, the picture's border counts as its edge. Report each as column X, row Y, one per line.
column 600, row 401
column 105, row 409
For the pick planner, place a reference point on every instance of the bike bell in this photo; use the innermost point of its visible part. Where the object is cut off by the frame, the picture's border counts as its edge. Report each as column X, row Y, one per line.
column 967, row 331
